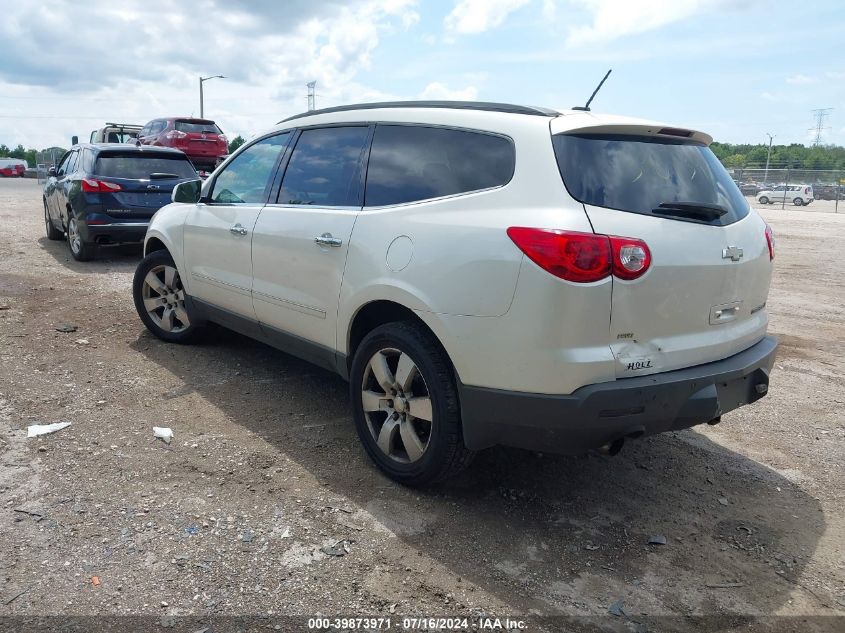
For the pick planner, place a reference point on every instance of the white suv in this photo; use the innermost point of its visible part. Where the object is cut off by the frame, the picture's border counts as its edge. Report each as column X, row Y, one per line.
column 481, row 273
column 798, row 195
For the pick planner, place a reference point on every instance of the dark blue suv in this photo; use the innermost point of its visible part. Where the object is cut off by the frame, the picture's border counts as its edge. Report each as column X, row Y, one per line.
column 106, row 193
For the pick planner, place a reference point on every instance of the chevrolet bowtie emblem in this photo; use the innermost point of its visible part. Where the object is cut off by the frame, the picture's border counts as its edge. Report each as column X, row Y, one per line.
column 734, row 253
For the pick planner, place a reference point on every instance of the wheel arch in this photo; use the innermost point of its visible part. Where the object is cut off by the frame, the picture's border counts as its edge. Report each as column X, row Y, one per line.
column 379, row 312
column 154, row 244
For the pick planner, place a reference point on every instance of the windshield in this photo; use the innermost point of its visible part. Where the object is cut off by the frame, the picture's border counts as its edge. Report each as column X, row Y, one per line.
column 638, row 174
column 139, row 167
column 197, row 127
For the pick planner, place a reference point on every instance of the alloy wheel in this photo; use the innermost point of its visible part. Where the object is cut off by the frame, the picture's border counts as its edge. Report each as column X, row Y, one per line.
column 164, row 299
column 397, row 405
column 74, row 239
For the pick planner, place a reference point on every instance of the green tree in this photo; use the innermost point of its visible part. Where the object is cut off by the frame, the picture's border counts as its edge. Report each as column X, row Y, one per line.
column 236, row 142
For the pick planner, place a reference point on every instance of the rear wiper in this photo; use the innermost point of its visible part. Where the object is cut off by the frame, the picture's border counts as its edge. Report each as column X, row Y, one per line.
column 694, row 210
column 160, row 175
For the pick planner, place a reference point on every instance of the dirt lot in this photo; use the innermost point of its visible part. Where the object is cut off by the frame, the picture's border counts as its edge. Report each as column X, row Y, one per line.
column 265, row 471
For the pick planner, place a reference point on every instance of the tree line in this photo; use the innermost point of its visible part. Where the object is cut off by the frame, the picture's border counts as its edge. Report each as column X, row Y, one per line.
column 33, row 157
column 795, row 156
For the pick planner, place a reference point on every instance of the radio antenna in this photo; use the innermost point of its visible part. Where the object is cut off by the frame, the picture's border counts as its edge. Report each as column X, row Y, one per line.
column 586, row 108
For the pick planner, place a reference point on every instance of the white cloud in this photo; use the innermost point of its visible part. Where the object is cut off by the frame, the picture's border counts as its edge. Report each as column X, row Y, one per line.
column 801, row 80
column 836, row 76
column 768, row 96
column 612, row 19
column 549, row 10
column 62, row 66
column 477, row 16
column 438, row 91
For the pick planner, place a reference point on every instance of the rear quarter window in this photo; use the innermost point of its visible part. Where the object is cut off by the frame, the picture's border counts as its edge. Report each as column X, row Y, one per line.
column 409, row 163
column 637, row 174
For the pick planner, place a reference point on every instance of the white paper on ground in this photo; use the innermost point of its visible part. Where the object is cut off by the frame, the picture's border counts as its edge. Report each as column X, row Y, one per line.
column 164, row 433
column 43, row 429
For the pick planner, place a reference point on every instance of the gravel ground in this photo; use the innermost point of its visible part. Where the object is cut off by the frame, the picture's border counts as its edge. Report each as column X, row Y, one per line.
column 264, row 503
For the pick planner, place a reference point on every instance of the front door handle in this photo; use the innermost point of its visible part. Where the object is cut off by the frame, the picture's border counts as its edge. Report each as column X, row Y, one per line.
column 326, row 239
column 238, row 229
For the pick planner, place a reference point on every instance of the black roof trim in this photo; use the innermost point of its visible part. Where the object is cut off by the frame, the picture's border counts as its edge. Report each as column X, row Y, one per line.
column 488, row 106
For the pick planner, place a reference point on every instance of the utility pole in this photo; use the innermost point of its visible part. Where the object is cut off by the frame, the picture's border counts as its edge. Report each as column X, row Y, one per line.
column 821, row 114
column 311, row 97
column 768, row 156
column 203, row 79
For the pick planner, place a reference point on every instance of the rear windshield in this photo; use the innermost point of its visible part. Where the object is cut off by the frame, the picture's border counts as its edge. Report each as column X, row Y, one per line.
column 139, row 166
column 638, row 174
column 197, row 127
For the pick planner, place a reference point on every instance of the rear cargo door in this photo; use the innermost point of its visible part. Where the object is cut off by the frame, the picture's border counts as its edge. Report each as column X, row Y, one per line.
column 200, row 140
column 144, row 182
column 703, row 298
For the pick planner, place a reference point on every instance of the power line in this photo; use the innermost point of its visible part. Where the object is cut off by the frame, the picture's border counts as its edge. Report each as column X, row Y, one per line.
column 821, row 114
column 312, row 105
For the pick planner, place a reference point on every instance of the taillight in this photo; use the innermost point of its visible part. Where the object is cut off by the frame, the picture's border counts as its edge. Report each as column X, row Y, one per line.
column 582, row 257
column 770, row 241
column 174, row 134
column 579, row 257
column 222, row 138
column 631, row 257
column 90, row 185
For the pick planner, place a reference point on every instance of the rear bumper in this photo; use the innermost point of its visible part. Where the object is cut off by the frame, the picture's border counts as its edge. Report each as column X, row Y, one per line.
column 117, row 232
column 595, row 415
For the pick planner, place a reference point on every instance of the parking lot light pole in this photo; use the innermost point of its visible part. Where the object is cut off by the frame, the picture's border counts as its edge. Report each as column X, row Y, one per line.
column 202, row 79
column 768, row 155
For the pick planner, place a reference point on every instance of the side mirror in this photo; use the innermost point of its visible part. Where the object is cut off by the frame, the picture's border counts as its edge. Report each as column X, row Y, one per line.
column 188, row 191
column 51, row 173
column 74, row 140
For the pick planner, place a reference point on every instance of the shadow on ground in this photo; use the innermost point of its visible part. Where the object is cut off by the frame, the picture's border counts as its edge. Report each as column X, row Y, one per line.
column 109, row 259
column 544, row 533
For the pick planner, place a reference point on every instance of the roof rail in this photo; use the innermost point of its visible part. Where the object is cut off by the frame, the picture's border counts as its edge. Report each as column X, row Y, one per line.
column 455, row 105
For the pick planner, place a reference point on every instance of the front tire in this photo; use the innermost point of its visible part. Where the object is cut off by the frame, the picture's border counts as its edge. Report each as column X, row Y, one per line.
column 763, row 200
column 160, row 300
column 405, row 405
column 53, row 233
column 81, row 250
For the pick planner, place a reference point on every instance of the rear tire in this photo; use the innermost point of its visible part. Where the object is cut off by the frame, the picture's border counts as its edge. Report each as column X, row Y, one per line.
column 52, row 232
column 400, row 370
column 798, row 202
column 160, row 300
column 81, row 250
column 763, row 200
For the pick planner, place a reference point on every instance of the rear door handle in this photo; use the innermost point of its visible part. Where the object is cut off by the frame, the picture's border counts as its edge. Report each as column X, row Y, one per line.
column 326, row 239
column 238, row 229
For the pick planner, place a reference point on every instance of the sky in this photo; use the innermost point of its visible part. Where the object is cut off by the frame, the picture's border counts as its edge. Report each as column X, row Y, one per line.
column 737, row 69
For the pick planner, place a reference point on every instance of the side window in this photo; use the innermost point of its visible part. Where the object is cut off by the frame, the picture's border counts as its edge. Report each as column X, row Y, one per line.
column 409, row 163
column 62, row 168
column 68, row 166
column 324, row 168
column 245, row 178
column 145, row 131
column 73, row 163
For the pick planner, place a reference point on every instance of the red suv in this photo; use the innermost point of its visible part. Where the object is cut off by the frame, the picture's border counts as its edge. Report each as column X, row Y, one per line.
column 200, row 139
